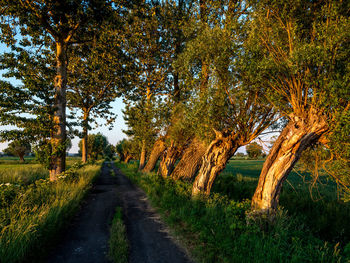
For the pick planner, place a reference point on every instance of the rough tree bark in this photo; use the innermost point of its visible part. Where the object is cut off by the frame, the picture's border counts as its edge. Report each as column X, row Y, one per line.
column 58, row 160
column 190, row 161
column 299, row 134
column 157, row 151
column 214, row 161
column 167, row 163
column 143, row 155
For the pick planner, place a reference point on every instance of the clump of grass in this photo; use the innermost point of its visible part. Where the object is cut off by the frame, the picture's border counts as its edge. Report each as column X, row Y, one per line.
column 216, row 230
column 35, row 213
column 118, row 244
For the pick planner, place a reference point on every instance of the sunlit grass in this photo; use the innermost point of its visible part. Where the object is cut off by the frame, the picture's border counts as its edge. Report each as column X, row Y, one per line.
column 32, row 215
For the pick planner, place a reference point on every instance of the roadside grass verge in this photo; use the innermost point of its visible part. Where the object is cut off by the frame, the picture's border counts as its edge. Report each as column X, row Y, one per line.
column 118, row 243
column 31, row 216
column 216, row 229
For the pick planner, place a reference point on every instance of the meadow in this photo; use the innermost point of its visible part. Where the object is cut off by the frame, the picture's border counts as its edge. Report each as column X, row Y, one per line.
column 33, row 210
column 310, row 225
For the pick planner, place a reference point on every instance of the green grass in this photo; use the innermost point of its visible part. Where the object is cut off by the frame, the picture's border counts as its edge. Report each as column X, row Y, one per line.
column 216, row 229
column 118, row 244
column 32, row 215
column 22, row 174
column 317, row 204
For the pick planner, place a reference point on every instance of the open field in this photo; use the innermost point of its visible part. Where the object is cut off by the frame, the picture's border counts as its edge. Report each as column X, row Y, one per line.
column 13, row 171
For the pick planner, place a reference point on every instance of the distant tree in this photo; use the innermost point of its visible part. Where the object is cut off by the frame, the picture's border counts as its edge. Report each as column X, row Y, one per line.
column 126, row 150
column 109, row 151
column 19, row 149
column 254, row 150
column 97, row 144
column 239, row 154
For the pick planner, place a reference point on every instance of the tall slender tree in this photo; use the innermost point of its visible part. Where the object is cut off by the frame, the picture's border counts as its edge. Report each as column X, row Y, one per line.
column 54, row 23
column 96, row 70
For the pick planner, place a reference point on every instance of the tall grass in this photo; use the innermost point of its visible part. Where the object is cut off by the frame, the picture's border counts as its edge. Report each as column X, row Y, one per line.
column 22, row 174
column 32, row 215
column 216, row 229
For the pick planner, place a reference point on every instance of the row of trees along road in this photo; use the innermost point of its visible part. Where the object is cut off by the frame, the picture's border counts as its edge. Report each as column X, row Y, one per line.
column 60, row 51
column 232, row 70
column 199, row 79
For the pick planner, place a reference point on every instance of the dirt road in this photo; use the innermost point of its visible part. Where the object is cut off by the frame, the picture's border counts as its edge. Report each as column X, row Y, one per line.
column 86, row 239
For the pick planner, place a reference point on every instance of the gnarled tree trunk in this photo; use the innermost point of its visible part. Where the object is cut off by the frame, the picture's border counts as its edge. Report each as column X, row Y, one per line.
column 190, row 161
column 168, row 161
column 143, row 155
column 298, row 135
column 157, row 151
column 58, row 161
column 214, row 161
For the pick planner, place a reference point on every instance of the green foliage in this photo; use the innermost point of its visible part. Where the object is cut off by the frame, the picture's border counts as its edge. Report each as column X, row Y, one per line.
column 98, row 145
column 118, row 244
column 32, row 215
column 18, row 148
column 127, row 148
column 254, row 150
column 216, row 229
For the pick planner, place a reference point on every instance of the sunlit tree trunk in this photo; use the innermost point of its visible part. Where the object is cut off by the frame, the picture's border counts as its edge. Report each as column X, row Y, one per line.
column 84, row 146
column 127, row 159
column 190, row 161
column 143, row 155
column 167, row 163
column 157, row 151
column 214, row 161
column 298, row 135
column 58, row 160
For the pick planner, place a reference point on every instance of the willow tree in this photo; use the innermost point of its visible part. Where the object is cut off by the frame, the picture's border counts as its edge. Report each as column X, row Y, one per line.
column 144, row 43
column 18, row 148
column 55, row 23
column 302, row 51
column 173, row 17
column 231, row 111
column 182, row 142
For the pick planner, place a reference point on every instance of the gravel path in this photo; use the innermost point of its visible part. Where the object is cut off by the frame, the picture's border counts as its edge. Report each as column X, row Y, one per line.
column 86, row 239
